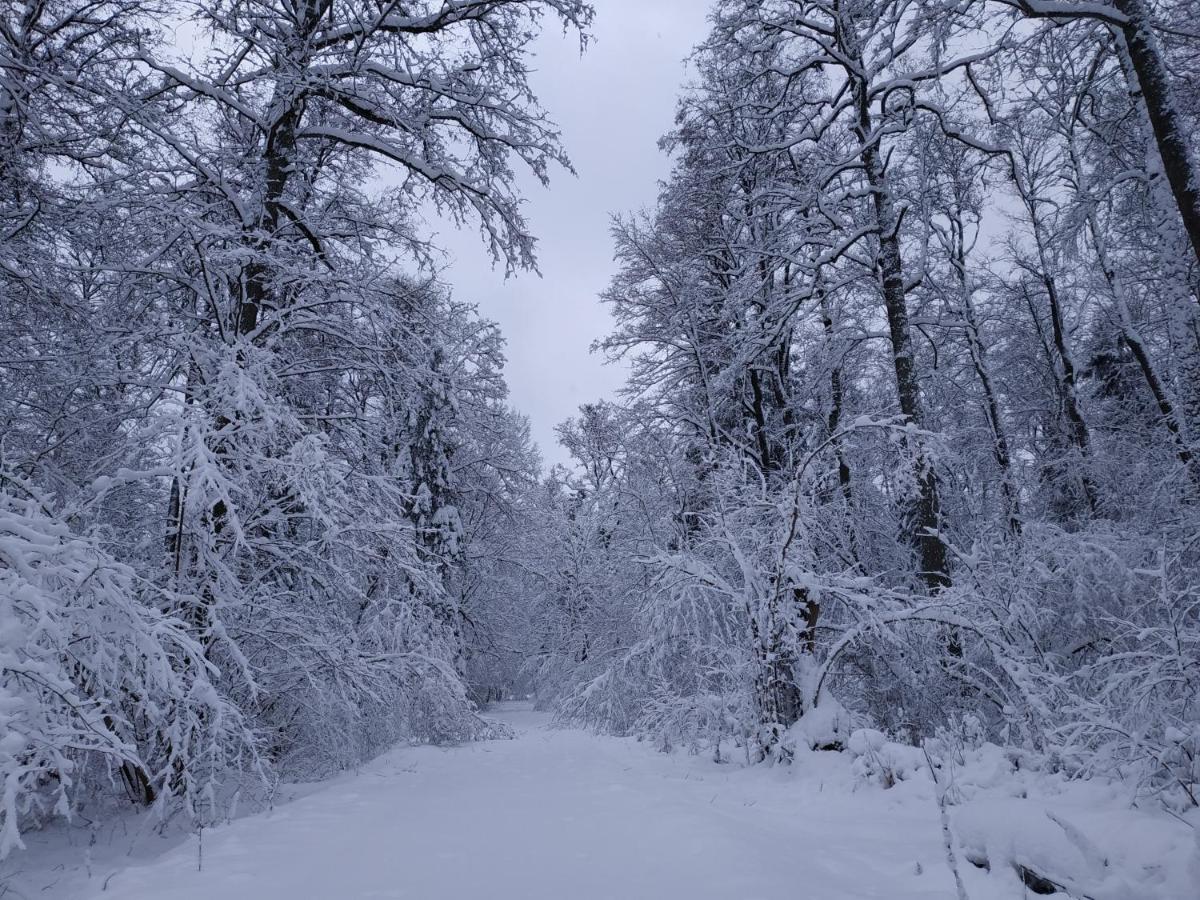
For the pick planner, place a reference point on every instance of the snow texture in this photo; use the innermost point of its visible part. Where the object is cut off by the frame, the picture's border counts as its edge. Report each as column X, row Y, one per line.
column 558, row 813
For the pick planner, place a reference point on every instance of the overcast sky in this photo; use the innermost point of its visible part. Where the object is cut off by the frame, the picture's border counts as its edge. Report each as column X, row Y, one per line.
column 612, row 105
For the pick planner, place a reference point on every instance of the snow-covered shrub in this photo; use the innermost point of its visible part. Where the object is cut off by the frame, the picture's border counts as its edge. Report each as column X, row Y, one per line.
column 696, row 722
column 92, row 674
column 884, row 762
column 1133, row 707
column 1084, row 646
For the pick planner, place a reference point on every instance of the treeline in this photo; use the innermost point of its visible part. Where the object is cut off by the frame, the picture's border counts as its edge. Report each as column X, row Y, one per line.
column 912, row 430
column 253, row 458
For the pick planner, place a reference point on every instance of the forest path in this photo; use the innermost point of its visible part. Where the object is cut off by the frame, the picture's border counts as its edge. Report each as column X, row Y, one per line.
column 559, row 814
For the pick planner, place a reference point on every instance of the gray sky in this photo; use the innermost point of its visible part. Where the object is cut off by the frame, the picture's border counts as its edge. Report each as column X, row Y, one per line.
column 612, row 106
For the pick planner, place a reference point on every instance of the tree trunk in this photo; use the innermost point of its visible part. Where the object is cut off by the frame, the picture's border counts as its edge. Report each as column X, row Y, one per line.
column 833, row 423
column 1171, row 131
column 1183, row 297
column 931, row 549
column 1132, row 336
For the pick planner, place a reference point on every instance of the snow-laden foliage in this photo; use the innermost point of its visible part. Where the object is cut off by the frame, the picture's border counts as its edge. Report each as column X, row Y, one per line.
column 910, row 436
column 255, row 458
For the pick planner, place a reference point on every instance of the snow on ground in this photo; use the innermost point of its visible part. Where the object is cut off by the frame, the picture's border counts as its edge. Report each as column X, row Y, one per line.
column 559, row 814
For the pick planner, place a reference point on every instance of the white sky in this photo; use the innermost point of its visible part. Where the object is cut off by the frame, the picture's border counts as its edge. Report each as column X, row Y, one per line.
column 612, row 105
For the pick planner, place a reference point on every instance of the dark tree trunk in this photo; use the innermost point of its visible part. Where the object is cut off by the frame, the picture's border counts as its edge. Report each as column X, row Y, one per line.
column 931, row 549
column 1132, row 338
column 1171, row 131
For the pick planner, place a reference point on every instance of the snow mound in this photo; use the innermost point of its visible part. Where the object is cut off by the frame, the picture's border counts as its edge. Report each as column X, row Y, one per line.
column 1102, row 854
column 876, row 759
column 824, row 727
column 1024, row 830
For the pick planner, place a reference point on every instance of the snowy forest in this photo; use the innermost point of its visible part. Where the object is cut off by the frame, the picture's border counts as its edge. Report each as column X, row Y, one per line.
column 909, row 447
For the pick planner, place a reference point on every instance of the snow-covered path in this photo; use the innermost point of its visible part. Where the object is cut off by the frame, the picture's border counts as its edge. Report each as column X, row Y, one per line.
column 559, row 815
